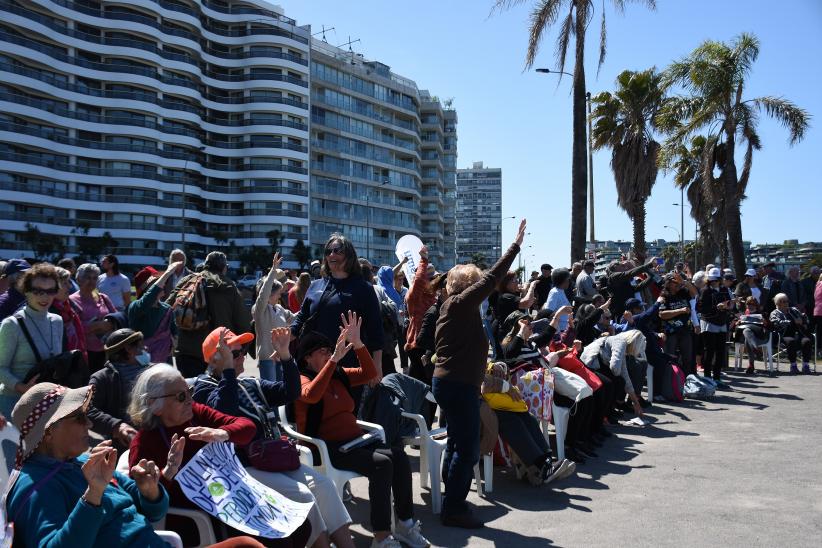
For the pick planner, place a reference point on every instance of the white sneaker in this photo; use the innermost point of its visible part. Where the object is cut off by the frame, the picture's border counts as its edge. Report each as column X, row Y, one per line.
column 387, row 542
column 411, row 535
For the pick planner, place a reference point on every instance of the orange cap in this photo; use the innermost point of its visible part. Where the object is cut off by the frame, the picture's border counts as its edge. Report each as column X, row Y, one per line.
column 213, row 339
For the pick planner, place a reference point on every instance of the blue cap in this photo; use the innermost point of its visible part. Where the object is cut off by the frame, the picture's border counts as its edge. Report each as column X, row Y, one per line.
column 632, row 303
column 15, row 266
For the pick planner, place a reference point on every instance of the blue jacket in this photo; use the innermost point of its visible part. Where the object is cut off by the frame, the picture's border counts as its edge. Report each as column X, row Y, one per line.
column 644, row 322
column 54, row 516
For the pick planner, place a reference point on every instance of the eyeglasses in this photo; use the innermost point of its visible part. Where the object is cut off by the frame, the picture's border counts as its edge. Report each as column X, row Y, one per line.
column 339, row 250
column 179, row 396
column 238, row 353
column 40, row 292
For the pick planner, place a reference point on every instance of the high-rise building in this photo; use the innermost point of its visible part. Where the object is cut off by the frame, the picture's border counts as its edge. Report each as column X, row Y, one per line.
column 160, row 123
column 479, row 213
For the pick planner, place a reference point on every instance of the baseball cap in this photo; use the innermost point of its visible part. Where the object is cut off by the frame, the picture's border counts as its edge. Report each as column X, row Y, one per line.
column 212, row 340
column 750, row 272
column 15, row 266
column 633, row 302
column 714, row 274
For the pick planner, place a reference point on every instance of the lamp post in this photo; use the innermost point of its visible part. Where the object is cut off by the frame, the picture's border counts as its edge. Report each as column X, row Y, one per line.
column 681, row 205
column 499, row 232
column 368, row 220
column 681, row 249
column 183, row 208
column 590, row 154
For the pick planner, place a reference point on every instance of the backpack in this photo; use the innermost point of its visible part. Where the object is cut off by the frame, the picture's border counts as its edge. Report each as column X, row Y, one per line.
column 699, row 387
column 190, row 306
column 677, row 384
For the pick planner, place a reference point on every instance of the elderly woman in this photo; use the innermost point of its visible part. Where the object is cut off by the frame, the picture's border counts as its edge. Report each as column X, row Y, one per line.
column 257, row 399
column 150, row 315
column 65, row 498
column 73, row 331
column 172, row 429
column 127, row 359
column 93, row 306
column 609, row 356
column 462, row 352
column 792, row 326
column 342, row 289
column 269, row 314
column 326, row 410
column 32, row 325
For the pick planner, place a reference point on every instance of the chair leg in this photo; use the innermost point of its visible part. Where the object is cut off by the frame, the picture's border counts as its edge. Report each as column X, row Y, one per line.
column 488, row 465
column 478, row 479
column 425, row 449
column 435, row 475
column 649, row 380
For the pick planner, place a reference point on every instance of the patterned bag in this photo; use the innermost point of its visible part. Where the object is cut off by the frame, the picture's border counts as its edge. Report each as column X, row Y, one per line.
column 537, row 389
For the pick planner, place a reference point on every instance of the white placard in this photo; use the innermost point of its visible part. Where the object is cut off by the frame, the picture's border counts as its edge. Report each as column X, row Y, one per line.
column 216, row 481
column 409, row 246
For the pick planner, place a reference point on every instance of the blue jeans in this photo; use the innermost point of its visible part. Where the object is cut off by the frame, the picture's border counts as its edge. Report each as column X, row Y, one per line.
column 271, row 371
column 460, row 405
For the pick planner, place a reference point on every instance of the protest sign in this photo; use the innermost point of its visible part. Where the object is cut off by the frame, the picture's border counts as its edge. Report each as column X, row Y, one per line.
column 216, row 481
column 409, row 246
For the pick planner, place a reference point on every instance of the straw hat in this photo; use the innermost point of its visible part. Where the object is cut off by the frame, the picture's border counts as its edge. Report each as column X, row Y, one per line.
column 43, row 405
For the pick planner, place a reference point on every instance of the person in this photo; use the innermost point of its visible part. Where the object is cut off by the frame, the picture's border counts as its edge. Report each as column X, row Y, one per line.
column 675, row 316
column 645, row 319
column 586, row 286
column 521, row 431
column 297, row 293
column 462, row 352
column 108, row 412
column 543, row 286
column 325, row 409
column 792, row 326
column 749, row 286
column 63, row 497
column 714, row 307
column 269, row 314
column 222, row 389
column 558, row 297
column 113, row 284
column 772, row 281
column 391, row 280
column 571, row 290
column 751, row 329
column 817, row 308
column 620, row 276
column 178, row 258
column 609, row 355
column 588, row 318
column 11, row 299
column 74, row 333
column 510, row 298
column 39, row 286
column 420, row 298
column 342, row 288
column 225, row 308
column 93, row 307
column 69, row 265
column 152, row 316
column 315, row 269
column 808, row 283
column 172, row 428
column 792, row 287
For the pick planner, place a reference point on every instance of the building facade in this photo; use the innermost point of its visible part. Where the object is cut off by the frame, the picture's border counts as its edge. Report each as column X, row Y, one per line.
column 162, row 124
column 478, row 213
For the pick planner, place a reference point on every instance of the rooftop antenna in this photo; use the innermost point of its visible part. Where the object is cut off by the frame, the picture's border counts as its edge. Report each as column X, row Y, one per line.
column 323, row 33
column 350, row 49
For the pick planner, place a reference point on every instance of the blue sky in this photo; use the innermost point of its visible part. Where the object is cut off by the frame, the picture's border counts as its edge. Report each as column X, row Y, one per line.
column 521, row 121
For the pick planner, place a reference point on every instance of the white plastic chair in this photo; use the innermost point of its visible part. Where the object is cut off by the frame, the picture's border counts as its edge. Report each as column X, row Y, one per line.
column 649, row 381
column 431, row 451
column 339, row 477
column 171, row 538
column 205, row 531
column 767, row 355
column 560, row 416
column 487, row 474
column 9, row 438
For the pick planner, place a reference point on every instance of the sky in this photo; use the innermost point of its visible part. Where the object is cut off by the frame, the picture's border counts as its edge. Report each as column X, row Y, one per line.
column 520, row 121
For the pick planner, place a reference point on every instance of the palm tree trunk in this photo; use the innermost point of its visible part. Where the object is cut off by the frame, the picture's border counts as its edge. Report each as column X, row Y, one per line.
column 579, row 166
column 639, row 233
column 732, row 214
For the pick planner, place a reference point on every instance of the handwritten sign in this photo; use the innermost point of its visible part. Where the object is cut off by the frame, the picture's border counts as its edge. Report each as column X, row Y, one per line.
column 216, row 481
column 409, row 247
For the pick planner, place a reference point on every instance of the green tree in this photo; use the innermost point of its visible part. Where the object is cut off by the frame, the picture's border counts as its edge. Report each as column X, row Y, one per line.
column 479, row 260
column 715, row 75
column 546, row 14
column 624, row 122
column 47, row 247
column 254, row 258
column 301, row 254
column 671, row 254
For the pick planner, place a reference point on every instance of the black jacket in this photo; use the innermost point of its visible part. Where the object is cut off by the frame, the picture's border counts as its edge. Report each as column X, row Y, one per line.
column 706, row 305
column 109, row 402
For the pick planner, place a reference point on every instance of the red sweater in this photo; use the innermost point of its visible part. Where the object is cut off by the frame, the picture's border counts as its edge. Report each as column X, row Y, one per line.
column 339, row 422
column 154, row 444
column 418, row 300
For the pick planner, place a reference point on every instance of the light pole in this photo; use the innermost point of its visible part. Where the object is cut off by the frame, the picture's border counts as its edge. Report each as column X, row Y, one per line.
column 590, row 153
column 681, row 249
column 681, row 205
column 368, row 220
column 183, row 208
column 499, row 232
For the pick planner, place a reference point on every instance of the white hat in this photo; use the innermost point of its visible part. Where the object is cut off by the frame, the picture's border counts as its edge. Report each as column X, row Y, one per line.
column 750, row 272
column 714, row 274
column 727, row 271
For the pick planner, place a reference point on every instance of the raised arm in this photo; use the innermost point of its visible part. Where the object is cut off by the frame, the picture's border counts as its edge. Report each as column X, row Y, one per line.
column 474, row 295
column 261, row 301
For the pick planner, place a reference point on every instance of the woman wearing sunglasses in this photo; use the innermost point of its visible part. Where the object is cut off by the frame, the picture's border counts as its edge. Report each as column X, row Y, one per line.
column 40, row 285
column 172, row 428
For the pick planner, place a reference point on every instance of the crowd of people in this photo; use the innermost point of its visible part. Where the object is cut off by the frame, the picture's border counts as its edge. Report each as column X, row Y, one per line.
column 158, row 371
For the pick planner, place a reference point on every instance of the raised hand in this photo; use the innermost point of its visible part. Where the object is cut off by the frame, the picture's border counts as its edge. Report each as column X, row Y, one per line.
column 174, row 266
column 124, row 433
column 98, row 470
column 424, row 252
column 606, row 305
column 146, row 474
column 206, row 434
column 175, row 457
column 565, row 310
column 521, row 233
column 280, row 339
column 352, row 326
column 278, row 260
column 224, row 359
column 525, row 330
column 341, row 348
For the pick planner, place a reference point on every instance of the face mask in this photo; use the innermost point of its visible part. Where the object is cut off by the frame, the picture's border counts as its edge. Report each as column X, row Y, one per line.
column 143, row 358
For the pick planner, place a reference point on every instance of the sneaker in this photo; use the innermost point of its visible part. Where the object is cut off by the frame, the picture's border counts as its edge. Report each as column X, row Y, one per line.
column 806, row 368
column 411, row 535
column 387, row 542
column 566, row 469
column 750, row 370
column 465, row 520
column 794, row 369
column 660, row 398
column 552, row 471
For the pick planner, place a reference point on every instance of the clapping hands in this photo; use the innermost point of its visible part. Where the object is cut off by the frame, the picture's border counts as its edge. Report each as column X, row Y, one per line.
column 280, row 340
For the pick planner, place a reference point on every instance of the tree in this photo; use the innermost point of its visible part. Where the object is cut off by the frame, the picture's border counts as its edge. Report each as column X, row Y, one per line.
column 671, row 254
column 479, row 260
column 92, row 247
column 715, row 74
column 254, row 258
column 545, row 14
column 301, row 254
column 624, row 122
column 48, row 247
column 275, row 238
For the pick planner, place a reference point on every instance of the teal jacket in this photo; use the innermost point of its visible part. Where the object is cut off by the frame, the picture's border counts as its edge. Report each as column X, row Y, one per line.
column 143, row 316
column 54, row 516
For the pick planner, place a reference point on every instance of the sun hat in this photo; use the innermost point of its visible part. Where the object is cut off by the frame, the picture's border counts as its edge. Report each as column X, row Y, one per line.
column 310, row 342
column 42, row 406
column 213, row 339
column 714, row 274
column 120, row 339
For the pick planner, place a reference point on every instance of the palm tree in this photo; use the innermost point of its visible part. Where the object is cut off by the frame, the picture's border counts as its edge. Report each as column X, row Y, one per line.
column 545, row 14
column 715, row 74
column 624, row 122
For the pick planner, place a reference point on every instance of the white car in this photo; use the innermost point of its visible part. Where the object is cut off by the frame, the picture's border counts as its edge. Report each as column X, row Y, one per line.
column 248, row 281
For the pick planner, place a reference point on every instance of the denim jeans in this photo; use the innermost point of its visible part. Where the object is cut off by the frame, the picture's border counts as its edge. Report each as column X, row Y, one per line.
column 271, row 371
column 460, row 405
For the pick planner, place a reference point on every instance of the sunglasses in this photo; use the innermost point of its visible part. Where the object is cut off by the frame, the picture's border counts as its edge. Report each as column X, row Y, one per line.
column 337, row 249
column 179, row 396
column 40, row 292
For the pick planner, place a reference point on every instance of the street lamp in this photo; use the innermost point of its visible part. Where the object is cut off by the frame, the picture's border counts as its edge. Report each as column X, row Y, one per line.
column 499, row 231
column 679, row 234
column 183, row 209
column 681, row 205
column 590, row 154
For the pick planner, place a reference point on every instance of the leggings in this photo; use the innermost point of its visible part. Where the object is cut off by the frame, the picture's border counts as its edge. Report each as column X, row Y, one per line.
column 716, row 355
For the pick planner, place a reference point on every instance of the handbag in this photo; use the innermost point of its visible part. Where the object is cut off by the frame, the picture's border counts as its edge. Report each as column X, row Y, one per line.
column 270, row 453
column 68, row 368
column 504, row 402
column 571, row 385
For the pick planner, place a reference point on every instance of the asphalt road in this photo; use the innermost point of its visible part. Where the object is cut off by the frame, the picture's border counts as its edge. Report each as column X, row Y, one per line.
column 743, row 469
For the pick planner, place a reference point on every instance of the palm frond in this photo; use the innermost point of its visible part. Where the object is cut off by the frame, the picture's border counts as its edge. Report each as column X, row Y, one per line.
column 746, row 171
column 743, row 55
column 796, row 119
column 504, row 5
column 543, row 16
column 565, row 32
column 603, row 37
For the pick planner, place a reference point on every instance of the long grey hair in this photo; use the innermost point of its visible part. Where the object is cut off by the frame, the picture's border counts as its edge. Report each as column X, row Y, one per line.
column 149, row 386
